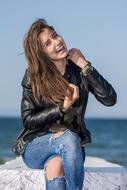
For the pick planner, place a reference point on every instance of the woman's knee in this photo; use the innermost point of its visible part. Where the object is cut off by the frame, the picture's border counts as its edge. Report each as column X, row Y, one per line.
column 54, row 168
column 72, row 140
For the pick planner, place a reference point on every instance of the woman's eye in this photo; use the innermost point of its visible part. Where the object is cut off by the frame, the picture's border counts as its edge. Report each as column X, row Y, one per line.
column 47, row 44
column 55, row 35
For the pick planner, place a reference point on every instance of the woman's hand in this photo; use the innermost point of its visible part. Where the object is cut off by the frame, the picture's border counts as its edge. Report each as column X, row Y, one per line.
column 77, row 57
column 68, row 101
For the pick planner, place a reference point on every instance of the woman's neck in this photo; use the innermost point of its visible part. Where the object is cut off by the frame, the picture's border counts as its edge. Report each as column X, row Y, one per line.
column 61, row 65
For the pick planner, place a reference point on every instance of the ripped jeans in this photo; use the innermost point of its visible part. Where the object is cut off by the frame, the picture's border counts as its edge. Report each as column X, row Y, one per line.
column 41, row 149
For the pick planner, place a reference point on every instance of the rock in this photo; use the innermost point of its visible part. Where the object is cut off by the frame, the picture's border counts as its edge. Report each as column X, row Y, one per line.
column 99, row 175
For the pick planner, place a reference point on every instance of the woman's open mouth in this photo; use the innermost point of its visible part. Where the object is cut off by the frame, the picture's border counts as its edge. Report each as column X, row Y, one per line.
column 61, row 49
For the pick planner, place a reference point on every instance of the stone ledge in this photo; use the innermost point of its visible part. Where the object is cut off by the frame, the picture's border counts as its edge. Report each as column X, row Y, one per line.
column 14, row 175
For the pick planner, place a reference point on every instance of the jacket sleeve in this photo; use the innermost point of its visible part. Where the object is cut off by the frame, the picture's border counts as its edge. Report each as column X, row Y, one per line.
column 99, row 87
column 34, row 116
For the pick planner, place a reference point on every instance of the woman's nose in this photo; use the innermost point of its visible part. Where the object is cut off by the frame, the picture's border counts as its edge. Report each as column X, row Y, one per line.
column 56, row 42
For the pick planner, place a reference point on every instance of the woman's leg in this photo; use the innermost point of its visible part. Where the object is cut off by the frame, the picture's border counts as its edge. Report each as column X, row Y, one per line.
column 72, row 156
column 73, row 161
column 54, row 174
column 41, row 151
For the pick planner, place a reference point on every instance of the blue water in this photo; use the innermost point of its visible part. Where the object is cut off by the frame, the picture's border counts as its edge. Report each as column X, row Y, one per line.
column 109, row 138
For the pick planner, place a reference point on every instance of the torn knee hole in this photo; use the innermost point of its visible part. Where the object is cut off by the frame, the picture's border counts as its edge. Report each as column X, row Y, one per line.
column 54, row 178
column 54, row 168
column 50, row 175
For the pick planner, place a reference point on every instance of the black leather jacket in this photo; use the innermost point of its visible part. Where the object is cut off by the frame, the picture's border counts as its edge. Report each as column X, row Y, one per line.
column 38, row 119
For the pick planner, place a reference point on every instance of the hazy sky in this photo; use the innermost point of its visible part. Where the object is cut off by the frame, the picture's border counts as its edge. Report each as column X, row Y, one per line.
column 98, row 28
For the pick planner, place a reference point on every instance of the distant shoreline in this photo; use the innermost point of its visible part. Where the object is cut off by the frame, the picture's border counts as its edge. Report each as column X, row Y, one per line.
column 88, row 117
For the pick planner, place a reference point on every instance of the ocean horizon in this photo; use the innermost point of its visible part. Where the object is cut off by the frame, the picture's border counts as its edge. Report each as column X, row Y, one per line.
column 108, row 138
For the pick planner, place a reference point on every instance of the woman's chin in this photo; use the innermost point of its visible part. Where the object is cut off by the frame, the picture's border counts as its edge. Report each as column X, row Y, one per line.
column 62, row 56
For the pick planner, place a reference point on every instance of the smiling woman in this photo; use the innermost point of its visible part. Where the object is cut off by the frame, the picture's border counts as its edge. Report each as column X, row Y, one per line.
column 56, row 86
column 46, row 50
column 53, row 44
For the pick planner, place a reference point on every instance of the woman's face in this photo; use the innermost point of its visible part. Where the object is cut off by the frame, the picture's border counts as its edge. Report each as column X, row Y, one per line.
column 53, row 45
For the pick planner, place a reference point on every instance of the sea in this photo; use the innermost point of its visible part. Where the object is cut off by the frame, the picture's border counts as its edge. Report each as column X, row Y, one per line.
column 109, row 138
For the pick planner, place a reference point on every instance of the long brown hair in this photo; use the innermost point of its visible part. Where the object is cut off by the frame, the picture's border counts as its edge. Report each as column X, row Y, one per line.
column 46, row 81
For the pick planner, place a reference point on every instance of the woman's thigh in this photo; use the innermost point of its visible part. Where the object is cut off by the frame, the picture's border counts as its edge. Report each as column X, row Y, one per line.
column 37, row 151
column 41, row 149
column 46, row 147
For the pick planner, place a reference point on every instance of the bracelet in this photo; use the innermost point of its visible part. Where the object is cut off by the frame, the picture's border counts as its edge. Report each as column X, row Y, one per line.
column 88, row 63
column 87, row 69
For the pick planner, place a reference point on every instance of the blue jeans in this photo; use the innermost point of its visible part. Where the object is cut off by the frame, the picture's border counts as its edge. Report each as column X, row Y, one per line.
column 41, row 149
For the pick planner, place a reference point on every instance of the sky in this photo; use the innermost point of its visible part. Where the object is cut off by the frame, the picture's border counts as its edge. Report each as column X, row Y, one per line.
column 98, row 28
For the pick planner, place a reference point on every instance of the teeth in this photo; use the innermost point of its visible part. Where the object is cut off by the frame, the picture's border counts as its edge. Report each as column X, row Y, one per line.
column 59, row 49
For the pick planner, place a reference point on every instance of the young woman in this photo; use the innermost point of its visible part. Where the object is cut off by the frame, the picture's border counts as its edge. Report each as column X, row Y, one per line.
column 56, row 86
